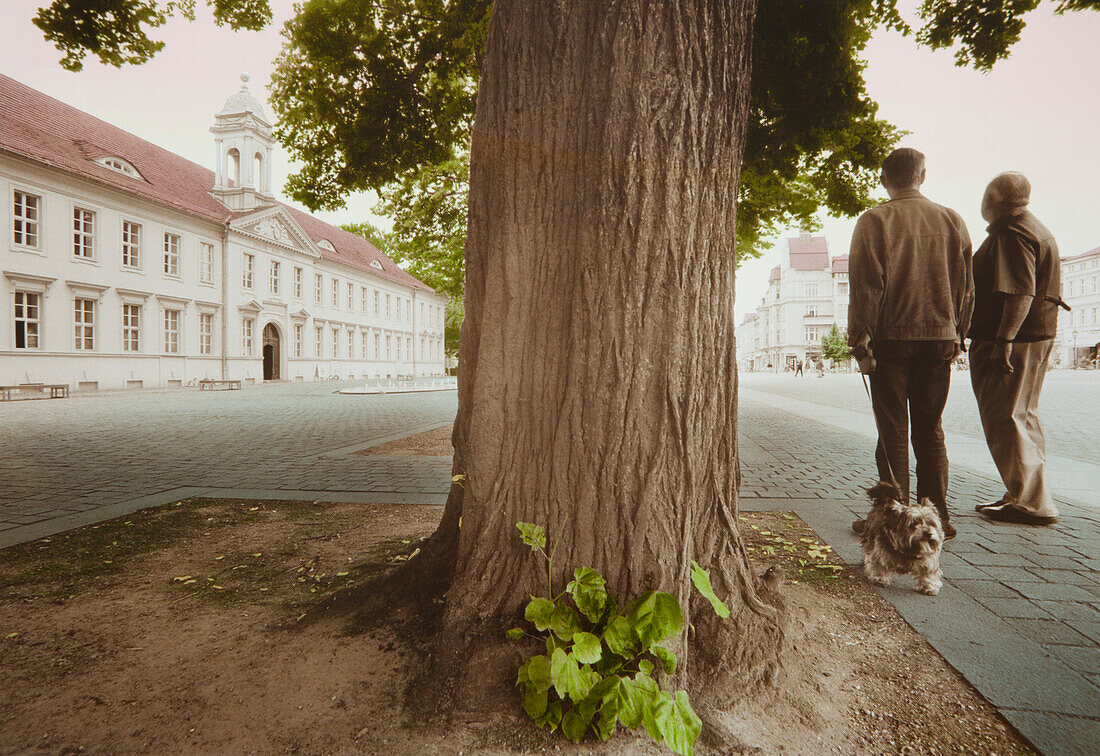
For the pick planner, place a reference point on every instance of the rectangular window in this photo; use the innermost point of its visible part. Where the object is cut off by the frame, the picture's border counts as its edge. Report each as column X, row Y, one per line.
column 318, row 288
column 249, row 267
column 376, row 302
column 319, row 342
column 131, row 328
column 335, row 343
column 811, row 290
column 274, row 280
column 206, row 333
column 335, row 293
column 83, row 233
column 812, row 335
column 351, row 297
column 811, row 311
column 408, row 310
column 206, row 262
column 376, row 347
column 842, row 288
column 25, row 219
column 364, row 302
column 171, row 255
column 351, row 345
column 389, row 312
column 27, row 318
column 298, row 337
column 172, row 331
column 389, row 347
column 297, row 283
column 84, row 323
column 246, row 336
column 421, row 312
column 365, row 345
column 131, row 244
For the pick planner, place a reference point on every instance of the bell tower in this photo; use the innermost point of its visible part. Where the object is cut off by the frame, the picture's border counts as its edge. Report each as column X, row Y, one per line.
column 243, row 142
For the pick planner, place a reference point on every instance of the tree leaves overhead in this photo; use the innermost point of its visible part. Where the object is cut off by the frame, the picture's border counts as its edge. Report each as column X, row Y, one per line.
column 117, row 31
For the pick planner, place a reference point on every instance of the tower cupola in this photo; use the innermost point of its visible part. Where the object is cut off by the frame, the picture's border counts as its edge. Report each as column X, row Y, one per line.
column 243, row 141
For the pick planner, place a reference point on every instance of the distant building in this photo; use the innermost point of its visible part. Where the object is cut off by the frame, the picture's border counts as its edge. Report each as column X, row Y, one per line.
column 1079, row 330
column 123, row 265
column 807, row 292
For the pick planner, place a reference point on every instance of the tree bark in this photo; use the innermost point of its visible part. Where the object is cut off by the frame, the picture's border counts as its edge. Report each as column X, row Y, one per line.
column 597, row 372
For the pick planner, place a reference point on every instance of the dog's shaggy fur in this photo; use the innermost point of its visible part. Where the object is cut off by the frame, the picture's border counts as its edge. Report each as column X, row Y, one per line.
column 902, row 539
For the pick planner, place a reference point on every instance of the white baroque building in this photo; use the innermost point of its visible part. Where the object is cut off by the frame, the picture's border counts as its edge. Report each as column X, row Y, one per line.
column 123, row 265
column 807, row 292
column 1078, row 340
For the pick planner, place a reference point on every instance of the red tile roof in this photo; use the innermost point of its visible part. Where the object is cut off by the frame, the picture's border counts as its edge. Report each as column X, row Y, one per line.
column 840, row 264
column 774, row 275
column 1081, row 256
column 40, row 128
column 811, row 254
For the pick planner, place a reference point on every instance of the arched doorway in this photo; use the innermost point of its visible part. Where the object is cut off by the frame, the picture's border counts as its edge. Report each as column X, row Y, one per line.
column 271, row 352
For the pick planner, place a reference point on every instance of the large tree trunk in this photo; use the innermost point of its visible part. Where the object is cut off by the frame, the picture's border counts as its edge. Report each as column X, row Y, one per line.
column 597, row 383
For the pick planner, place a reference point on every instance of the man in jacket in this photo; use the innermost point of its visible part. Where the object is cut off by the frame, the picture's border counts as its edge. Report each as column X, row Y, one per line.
column 1017, row 279
column 912, row 295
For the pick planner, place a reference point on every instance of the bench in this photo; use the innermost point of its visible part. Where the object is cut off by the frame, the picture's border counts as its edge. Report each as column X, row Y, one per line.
column 57, row 390
column 219, row 384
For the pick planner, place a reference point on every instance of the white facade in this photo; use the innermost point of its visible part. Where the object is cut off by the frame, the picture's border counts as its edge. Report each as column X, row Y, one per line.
column 807, row 293
column 104, row 288
column 1078, row 340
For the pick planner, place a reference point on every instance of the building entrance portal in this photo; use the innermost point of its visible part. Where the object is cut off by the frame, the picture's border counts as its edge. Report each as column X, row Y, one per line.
column 271, row 352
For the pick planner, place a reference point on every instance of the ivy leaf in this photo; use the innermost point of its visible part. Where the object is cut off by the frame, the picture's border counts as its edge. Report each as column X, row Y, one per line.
column 589, row 591
column 534, row 702
column 668, row 659
column 655, row 616
column 587, row 648
column 587, row 708
column 566, row 676
column 629, row 703
column 605, row 723
column 515, row 634
column 538, row 613
column 573, row 727
column 618, row 636
column 679, row 724
column 552, row 643
column 536, row 672
column 564, row 622
column 645, row 666
column 701, row 579
column 532, row 535
column 656, row 703
column 551, row 717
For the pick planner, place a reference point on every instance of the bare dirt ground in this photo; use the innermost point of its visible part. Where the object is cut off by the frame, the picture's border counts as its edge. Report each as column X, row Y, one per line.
column 198, row 628
column 434, row 443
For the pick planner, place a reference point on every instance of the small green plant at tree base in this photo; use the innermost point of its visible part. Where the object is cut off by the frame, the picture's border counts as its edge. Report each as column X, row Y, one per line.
column 598, row 669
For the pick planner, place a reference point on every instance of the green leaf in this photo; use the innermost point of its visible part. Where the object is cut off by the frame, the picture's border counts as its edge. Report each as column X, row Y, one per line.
column 701, row 579
column 657, row 701
column 629, row 702
column 573, row 727
column 538, row 612
column 592, row 702
column 679, row 724
column 532, row 535
column 605, row 723
column 645, row 666
column 587, row 648
column 515, row 634
column 566, row 676
column 618, row 636
column 589, row 590
column 551, row 717
column 564, row 622
column 552, row 643
column 668, row 659
column 655, row 616
column 537, row 672
column 534, row 702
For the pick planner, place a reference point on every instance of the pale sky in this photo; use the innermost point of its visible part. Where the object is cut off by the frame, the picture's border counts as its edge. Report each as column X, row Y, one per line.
column 1038, row 112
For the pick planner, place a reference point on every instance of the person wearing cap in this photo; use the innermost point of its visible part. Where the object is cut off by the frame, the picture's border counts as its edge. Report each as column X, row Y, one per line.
column 1017, row 279
column 911, row 295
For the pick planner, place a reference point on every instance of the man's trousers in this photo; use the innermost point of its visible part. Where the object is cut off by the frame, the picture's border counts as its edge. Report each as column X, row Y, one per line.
column 909, row 390
column 1008, row 404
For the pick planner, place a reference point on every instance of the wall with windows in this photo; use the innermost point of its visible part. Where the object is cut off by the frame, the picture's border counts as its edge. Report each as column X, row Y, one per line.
column 102, row 290
column 1078, row 335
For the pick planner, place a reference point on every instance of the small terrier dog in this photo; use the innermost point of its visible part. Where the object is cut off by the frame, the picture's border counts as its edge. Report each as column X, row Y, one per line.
column 903, row 539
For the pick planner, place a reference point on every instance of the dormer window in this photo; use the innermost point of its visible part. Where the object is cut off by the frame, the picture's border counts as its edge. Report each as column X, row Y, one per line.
column 376, row 264
column 326, row 244
column 119, row 165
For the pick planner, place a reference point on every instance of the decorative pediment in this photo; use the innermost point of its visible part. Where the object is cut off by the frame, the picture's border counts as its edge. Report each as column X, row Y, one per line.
column 29, row 281
column 251, row 306
column 274, row 226
column 87, row 290
column 301, row 314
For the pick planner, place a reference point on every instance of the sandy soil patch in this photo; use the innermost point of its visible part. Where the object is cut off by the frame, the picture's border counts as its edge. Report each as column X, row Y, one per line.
column 434, row 443
column 180, row 630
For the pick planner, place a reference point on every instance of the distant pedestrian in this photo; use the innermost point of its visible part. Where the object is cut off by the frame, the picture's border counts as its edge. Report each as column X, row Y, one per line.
column 798, row 368
column 1018, row 289
column 912, row 294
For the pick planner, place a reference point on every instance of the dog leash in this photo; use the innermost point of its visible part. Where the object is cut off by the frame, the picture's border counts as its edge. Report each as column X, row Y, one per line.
column 885, row 455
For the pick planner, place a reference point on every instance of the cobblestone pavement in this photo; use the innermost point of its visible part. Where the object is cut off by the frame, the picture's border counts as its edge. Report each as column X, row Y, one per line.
column 64, row 461
column 1019, row 615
